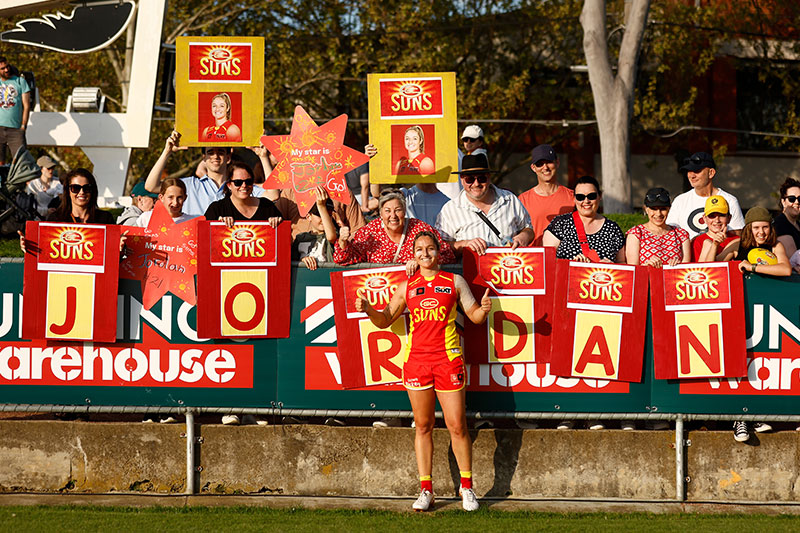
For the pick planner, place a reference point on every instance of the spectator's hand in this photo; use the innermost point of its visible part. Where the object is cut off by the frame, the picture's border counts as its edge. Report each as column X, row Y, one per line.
column 344, row 236
column 260, row 151
column 227, row 220
column 477, row 245
column 486, row 302
column 309, row 262
column 122, row 239
column 371, row 150
column 321, row 194
column 673, row 261
column 21, row 241
column 174, row 143
column 516, row 242
column 582, row 258
column 745, row 267
column 603, row 260
column 272, row 221
column 411, row 267
column 717, row 237
column 654, row 262
column 361, row 305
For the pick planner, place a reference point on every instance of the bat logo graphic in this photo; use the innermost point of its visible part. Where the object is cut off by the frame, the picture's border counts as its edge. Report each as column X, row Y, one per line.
column 90, row 27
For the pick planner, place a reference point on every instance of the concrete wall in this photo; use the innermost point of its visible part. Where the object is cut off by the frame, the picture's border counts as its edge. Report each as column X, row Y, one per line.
column 309, row 460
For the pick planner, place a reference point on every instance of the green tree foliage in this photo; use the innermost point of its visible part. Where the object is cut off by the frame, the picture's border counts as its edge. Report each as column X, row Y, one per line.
column 511, row 59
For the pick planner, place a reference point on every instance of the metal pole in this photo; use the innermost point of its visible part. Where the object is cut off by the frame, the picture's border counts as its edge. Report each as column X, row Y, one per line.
column 190, row 467
column 680, row 472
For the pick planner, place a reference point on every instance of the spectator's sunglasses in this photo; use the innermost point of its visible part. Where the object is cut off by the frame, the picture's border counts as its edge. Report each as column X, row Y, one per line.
column 791, row 199
column 469, row 140
column 238, row 183
column 716, row 215
column 592, row 196
column 469, row 179
column 660, row 197
column 74, row 188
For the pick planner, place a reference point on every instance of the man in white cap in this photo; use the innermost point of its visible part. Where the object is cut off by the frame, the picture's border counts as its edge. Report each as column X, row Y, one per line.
column 45, row 189
column 548, row 198
column 474, row 144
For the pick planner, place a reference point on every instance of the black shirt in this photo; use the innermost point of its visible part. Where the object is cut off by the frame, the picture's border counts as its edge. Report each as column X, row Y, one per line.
column 225, row 208
column 100, row 217
column 782, row 227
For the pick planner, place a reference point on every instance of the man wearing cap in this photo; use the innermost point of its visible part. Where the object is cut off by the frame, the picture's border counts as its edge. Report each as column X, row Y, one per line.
column 687, row 208
column 718, row 243
column 143, row 201
column 548, row 198
column 483, row 215
column 45, row 189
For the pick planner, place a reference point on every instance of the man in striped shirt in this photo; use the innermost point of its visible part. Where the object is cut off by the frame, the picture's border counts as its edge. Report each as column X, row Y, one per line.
column 483, row 215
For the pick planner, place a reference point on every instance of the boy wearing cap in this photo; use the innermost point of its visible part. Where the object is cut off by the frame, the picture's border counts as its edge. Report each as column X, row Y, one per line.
column 687, row 209
column 718, row 243
column 548, row 198
column 45, row 189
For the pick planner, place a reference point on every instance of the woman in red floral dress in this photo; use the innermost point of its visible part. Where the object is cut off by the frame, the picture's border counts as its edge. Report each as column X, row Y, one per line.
column 387, row 239
column 655, row 243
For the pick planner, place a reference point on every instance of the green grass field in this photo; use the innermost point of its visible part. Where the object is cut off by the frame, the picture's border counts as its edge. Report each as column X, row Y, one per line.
column 24, row 519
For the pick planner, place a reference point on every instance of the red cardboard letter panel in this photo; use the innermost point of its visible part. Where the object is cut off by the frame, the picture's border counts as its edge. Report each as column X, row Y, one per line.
column 71, row 279
column 244, row 277
column 601, row 313
column 368, row 356
column 519, row 325
column 698, row 321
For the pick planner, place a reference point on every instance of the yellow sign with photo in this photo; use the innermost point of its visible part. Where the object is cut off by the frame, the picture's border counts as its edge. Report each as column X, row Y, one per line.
column 219, row 90
column 413, row 124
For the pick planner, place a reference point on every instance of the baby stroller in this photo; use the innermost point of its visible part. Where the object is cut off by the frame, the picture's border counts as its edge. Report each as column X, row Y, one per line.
column 17, row 206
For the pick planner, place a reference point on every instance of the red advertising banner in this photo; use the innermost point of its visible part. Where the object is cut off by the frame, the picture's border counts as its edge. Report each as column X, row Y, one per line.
column 70, row 271
column 519, row 326
column 163, row 257
column 411, row 98
column 244, row 274
column 312, row 155
column 369, row 356
column 220, row 62
column 698, row 321
column 153, row 362
column 600, row 321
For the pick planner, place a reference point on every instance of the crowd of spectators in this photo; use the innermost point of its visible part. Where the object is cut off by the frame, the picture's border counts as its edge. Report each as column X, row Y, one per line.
column 703, row 224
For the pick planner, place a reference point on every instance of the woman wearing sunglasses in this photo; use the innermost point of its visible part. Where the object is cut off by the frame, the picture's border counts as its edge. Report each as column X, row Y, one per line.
column 78, row 204
column 786, row 224
column 655, row 243
column 584, row 235
column 239, row 203
column 79, row 200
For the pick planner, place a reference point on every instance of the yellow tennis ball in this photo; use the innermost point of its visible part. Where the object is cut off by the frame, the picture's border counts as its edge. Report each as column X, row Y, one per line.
column 761, row 256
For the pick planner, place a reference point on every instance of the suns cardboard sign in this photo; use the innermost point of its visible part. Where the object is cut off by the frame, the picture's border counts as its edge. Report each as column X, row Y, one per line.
column 698, row 321
column 414, row 116
column 69, row 271
column 244, row 277
column 601, row 314
column 219, row 88
column 369, row 356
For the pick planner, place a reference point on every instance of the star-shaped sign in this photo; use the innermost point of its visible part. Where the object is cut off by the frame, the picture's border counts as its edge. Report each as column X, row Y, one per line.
column 312, row 155
column 163, row 256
